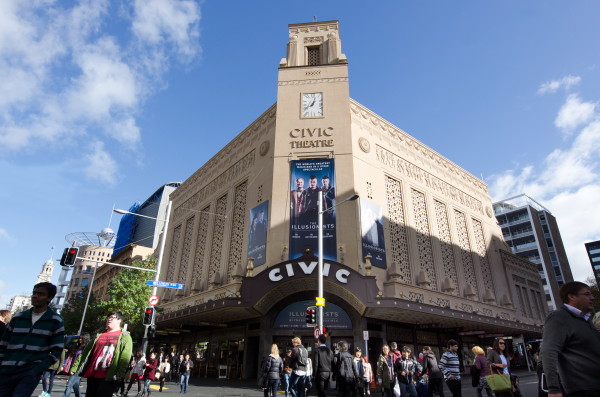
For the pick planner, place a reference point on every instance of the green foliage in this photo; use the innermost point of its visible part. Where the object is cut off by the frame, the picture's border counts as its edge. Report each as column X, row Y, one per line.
column 129, row 294
column 72, row 312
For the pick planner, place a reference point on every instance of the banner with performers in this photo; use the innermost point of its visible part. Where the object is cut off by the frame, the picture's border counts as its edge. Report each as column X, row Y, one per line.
column 373, row 242
column 257, row 234
column 308, row 177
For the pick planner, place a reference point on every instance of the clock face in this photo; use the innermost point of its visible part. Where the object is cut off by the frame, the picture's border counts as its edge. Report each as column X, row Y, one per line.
column 312, row 104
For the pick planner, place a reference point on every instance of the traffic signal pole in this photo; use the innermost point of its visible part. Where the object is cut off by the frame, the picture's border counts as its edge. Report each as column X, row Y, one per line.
column 320, row 276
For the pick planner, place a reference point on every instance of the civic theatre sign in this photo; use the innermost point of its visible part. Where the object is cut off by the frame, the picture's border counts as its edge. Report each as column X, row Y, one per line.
column 311, row 137
column 302, row 268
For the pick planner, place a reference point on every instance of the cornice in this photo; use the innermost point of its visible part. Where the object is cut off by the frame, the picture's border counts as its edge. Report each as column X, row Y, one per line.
column 361, row 112
column 216, row 164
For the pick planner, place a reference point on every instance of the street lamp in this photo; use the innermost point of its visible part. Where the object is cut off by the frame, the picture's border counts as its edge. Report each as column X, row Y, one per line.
column 158, row 263
column 320, row 276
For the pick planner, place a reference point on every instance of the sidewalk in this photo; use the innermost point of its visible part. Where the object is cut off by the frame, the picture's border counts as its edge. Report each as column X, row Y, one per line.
column 245, row 388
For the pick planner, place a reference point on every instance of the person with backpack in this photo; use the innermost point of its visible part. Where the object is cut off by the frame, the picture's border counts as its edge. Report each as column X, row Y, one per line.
column 430, row 367
column 299, row 361
column 407, row 370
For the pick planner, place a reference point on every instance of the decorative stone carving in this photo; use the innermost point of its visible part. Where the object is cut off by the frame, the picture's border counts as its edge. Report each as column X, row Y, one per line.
column 216, row 249
column 201, row 245
column 416, row 297
column 489, row 212
column 250, row 267
column 237, row 228
column 313, row 40
column 451, row 281
column 505, row 301
column 410, row 170
column 486, row 269
column 364, row 145
column 489, row 296
column 465, row 251
column 422, row 279
column 397, row 227
column 173, row 253
column 368, row 266
column 215, row 280
column 390, row 130
column 313, row 81
column 423, row 240
column 187, row 247
column 264, row 148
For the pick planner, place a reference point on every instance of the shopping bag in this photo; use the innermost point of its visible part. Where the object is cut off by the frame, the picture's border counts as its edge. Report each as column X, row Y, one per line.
column 499, row 383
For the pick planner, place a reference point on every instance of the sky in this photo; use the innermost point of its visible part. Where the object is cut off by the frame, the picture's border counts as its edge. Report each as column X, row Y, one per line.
column 102, row 102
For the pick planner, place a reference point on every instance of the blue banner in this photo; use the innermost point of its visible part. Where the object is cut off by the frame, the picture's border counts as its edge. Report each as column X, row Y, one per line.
column 373, row 242
column 294, row 316
column 257, row 233
column 308, row 177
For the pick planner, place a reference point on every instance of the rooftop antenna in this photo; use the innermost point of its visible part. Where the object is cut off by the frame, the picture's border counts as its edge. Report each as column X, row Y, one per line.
column 52, row 253
column 314, row 18
column 111, row 215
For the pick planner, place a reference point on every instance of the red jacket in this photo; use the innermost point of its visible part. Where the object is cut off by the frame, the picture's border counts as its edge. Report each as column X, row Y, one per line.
column 150, row 368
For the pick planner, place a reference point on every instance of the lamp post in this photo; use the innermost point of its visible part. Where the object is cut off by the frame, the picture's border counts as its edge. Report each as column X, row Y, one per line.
column 320, row 274
column 158, row 263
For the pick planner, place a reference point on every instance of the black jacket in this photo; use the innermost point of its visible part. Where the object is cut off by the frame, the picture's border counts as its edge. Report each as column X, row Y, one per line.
column 347, row 367
column 294, row 358
column 430, row 363
column 274, row 367
column 323, row 361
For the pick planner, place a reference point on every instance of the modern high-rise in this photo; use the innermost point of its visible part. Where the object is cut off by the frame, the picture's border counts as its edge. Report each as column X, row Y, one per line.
column 593, row 251
column 532, row 232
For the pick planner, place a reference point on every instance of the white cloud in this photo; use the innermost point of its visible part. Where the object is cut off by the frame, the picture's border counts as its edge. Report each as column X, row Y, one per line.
column 4, row 235
column 567, row 183
column 67, row 75
column 574, row 113
column 552, row 86
column 99, row 165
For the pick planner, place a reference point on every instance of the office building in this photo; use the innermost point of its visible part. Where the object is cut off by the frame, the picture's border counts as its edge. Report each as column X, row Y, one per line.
column 593, row 251
column 532, row 233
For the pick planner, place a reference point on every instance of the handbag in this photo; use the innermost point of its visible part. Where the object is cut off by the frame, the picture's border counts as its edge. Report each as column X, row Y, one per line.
column 499, row 383
column 157, row 375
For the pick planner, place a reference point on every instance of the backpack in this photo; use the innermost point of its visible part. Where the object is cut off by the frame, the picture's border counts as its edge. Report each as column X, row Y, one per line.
column 302, row 356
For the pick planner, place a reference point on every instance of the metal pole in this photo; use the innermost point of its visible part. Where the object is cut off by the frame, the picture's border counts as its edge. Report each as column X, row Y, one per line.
column 88, row 298
column 320, row 292
column 157, row 274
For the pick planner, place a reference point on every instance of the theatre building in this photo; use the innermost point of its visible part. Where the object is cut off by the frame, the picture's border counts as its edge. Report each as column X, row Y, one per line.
column 418, row 258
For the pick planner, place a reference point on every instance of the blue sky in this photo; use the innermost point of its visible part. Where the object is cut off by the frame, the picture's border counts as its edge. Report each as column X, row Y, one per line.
column 101, row 102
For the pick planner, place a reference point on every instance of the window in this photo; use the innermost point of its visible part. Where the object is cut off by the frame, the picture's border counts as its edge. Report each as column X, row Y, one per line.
column 76, row 283
column 596, row 259
column 79, row 269
column 313, row 56
column 88, row 269
column 545, row 229
column 84, row 282
column 549, row 242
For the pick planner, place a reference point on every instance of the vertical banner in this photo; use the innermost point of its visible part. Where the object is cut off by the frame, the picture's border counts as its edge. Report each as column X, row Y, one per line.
column 373, row 243
column 308, row 177
column 257, row 235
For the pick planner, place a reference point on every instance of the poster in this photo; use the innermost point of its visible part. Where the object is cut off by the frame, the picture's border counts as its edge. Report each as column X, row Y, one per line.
column 308, row 177
column 294, row 316
column 373, row 242
column 257, row 233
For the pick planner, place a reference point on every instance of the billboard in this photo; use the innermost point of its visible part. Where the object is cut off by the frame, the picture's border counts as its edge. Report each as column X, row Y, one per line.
column 308, row 177
column 371, row 224
column 257, row 233
column 294, row 316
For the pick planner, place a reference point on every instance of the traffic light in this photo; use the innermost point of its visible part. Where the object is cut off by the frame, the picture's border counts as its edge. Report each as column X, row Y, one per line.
column 69, row 257
column 152, row 332
column 311, row 316
column 326, row 332
column 149, row 316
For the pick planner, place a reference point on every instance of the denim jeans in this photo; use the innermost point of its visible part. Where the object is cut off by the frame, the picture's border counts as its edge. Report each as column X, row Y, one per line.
column 297, row 385
column 286, row 384
column 73, row 383
column 49, row 373
column 408, row 389
column 21, row 384
column 184, row 382
column 147, row 385
column 272, row 388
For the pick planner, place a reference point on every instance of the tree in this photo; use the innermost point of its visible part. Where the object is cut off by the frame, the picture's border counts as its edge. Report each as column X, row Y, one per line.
column 129, row 294
column 73, row 310
column 591, row 281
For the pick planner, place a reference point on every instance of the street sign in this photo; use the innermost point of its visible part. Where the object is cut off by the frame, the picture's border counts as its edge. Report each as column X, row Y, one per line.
column 366, row 335
column 153, row 300
column 320, row 301
column 164, row 284
column 317, row 332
